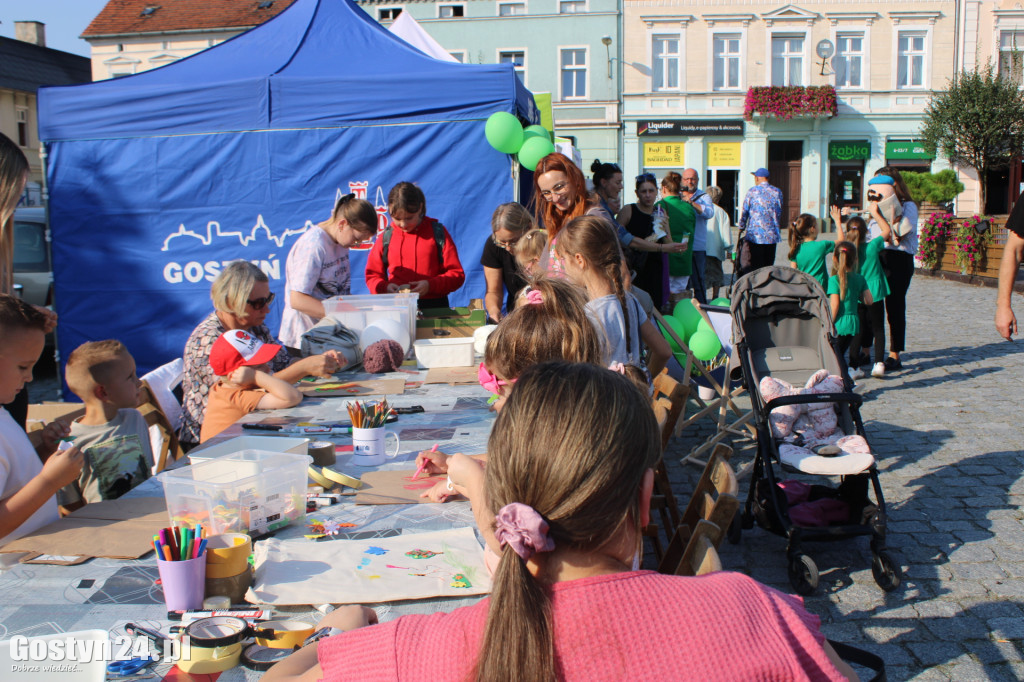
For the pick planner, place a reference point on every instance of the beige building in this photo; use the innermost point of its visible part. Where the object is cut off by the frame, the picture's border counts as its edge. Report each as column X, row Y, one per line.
column 26, row 65
column 688, row 69
column 131, row 36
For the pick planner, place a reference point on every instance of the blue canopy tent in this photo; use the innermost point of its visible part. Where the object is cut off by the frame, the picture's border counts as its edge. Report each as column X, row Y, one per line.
column 158, row 179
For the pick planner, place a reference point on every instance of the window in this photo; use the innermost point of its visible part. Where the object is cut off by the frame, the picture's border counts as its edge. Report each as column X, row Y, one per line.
column 460, row 56
column 787, row 60
column 388, row 13
column 572, row 6
column 665, row 60
column 849, row 60
column 910, row 59
column 511, row 9
column 517, row 59
column 574, row 73
column 120, row 47
column 727, row 61
column 22, row 127
column 451, row 11
column 1011, row 56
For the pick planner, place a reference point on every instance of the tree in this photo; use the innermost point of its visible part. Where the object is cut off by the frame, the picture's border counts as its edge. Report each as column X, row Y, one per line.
column 977, row 122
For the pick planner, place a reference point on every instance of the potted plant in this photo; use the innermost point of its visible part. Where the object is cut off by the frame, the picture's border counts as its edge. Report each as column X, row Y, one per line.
column 933, row 235
column 785, row 102
column 970, row 243
column 933, row 191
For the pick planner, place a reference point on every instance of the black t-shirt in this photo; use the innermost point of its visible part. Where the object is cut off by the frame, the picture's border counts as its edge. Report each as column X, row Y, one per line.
column 1015, row 223
column 498, row 258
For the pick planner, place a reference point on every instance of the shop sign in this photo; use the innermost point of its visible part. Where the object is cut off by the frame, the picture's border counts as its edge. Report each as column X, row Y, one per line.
column 723, row 154
column 849, row 150
column 663, row 154
column 906, row 150
column 690, row 127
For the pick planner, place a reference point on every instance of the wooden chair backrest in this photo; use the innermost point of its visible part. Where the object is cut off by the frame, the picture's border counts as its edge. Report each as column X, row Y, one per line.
column 151, row 412
column 701, row 556
column 673, row 395
column 716, row 495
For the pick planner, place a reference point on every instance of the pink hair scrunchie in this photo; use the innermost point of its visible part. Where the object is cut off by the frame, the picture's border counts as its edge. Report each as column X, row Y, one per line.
column 618, row 367
column 520, row 527
column 534, row 297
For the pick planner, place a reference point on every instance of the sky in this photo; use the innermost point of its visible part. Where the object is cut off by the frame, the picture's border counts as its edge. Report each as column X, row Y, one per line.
column 65, row 20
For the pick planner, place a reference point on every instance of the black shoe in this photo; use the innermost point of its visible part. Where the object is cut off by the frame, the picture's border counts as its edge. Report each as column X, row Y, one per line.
column 892, row 363
column 860, row 361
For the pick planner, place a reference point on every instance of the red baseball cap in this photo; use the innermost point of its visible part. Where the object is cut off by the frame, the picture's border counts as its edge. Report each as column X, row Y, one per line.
column 235, row 348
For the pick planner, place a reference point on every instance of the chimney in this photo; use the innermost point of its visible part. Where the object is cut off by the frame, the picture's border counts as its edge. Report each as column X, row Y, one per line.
column 31, row 32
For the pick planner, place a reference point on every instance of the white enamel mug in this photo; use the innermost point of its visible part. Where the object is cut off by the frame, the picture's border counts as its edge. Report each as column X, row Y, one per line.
column 368, row 448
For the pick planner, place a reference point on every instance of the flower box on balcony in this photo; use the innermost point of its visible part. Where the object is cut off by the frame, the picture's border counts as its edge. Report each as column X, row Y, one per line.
column 788, row 102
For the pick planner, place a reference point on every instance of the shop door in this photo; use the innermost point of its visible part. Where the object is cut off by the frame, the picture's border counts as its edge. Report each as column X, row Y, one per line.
column 727, row 180
column 846, row 185
column 784, row 159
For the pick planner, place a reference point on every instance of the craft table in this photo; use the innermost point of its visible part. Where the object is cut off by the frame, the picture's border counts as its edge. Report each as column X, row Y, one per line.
column 37, row 599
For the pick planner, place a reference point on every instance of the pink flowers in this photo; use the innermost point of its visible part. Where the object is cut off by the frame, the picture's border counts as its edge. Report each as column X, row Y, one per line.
column 786, row 102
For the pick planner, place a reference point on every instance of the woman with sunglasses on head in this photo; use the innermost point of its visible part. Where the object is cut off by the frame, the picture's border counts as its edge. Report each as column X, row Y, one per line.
column 509, row 223
column 241, row 300
column 638, row 218
column 318, row 268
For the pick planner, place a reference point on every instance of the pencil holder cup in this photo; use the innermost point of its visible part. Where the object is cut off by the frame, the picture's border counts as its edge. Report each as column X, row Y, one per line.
column 183, row 583
column 368, row 449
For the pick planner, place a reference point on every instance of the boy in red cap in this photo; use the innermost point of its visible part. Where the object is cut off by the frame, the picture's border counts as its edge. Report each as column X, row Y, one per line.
column 240, row 359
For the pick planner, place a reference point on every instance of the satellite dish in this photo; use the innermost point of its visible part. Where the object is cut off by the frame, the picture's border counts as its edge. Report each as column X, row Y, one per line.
column 825, row 48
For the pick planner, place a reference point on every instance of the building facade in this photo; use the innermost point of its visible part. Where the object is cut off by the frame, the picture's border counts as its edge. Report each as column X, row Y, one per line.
column 568, row 48
column 690, row 68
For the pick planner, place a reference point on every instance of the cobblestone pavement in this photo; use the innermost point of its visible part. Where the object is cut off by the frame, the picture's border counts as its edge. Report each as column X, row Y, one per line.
column 947, row 431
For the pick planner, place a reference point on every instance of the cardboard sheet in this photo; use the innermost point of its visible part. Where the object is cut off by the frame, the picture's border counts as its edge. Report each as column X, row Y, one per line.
column 395, row 487
column 353, row 389
column 113, row 529
column 452, row 375
column 446, row 563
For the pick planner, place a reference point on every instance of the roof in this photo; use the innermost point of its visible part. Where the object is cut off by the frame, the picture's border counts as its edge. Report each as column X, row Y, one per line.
column 125, row 17
column 27, row 67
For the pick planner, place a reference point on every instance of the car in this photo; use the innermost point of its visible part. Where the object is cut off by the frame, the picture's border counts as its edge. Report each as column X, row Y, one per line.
column 33, row 269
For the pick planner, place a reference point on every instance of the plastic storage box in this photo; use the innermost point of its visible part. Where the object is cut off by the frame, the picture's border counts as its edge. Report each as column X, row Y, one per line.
column 297, row 446
column 456, row 352
column 355, row 312
column 251, row 491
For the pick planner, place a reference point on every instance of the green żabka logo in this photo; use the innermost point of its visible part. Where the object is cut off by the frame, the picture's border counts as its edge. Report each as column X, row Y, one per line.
column 849, row 151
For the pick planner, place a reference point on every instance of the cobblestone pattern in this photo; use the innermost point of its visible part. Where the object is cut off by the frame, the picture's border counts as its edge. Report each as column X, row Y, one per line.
column 947, row 432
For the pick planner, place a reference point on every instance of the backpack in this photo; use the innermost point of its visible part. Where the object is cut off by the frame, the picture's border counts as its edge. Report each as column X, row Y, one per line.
column 439, row 238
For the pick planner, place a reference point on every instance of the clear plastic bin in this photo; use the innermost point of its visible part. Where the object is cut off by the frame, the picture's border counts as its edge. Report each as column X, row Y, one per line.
column 357, row 311
column 251, row 491
column 432, row 353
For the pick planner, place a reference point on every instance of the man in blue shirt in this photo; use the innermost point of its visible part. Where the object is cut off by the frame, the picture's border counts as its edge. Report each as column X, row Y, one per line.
column 704, row 209
column 760, row 222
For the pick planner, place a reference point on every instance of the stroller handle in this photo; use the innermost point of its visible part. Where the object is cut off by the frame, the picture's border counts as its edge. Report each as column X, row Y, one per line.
column 852, row 398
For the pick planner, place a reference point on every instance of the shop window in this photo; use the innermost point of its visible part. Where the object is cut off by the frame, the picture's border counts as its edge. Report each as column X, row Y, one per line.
column 726, row 61
column 665, row 59
column 787, row 60
column 910, row 54
column 849, row 60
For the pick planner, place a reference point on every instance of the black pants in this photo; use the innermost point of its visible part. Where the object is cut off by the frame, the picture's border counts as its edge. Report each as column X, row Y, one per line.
column 761, row 256
column 843, row 344
column 898, row 267
column 872, row 331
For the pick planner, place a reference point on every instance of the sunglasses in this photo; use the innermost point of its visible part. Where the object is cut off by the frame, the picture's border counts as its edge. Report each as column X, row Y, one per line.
column 490, row 382
column 261, row 303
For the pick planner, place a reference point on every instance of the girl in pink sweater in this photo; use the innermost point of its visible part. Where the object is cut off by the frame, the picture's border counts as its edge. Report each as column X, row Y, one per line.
column 568, row 602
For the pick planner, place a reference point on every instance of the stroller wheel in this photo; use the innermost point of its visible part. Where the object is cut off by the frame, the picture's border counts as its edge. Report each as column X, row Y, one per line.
column 735, row 531
column 803, row 575
column 887, row 573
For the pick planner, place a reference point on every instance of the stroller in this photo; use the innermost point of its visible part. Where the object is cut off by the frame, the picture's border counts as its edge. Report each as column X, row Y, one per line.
column 783, row 330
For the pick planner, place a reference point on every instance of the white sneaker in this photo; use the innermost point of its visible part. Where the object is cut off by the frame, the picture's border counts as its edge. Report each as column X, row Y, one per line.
column 857, row 373
column 878, row 370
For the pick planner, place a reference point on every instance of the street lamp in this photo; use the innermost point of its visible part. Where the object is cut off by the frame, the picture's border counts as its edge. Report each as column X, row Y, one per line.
column 607, row 42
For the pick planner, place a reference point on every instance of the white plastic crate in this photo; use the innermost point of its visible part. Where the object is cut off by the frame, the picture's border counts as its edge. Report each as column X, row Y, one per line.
column 445, row 352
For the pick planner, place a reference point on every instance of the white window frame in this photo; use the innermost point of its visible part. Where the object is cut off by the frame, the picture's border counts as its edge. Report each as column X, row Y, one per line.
column 805, row 67
column 1019, row 31
column 670, row 35
column 388, row 8
column 512, row 2
column 865, row 53
column 121, row 66
column 742, row 33
column 441, row 7
column 926, row 76
column 586, row 72
column 522, row 71
column 455, row 54
column 586, row 6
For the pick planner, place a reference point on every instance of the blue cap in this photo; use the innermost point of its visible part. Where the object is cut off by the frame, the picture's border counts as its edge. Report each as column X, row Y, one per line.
column 882, row 180
column 761, row 173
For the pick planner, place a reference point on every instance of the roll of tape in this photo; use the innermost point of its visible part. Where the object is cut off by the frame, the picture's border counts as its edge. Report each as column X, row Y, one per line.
column 227, row 554
column 208, row 660
column 344, row 479
column 318, row 478
column 322, row 452
column 217, row 632
column 233, row 587
column 283, row 634
column 217, row 602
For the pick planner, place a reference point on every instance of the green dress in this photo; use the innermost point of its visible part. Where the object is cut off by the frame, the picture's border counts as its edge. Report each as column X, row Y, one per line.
column 810, row 258
column 682, row 220
column 871, row 268
column 847, row 322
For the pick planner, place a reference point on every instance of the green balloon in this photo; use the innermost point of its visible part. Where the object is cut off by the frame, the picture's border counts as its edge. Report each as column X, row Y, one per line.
column 504, row 132
column 705, row 345
column 721, row 300
column 533, row 150
column 688, row 315
column 680, row 329
column 536, row 131
column 703, row 326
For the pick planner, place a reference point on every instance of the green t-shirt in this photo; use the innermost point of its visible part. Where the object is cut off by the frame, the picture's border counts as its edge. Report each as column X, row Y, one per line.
column 810, row 258
column 871, row 268
column 847, row 322
column 682, row 220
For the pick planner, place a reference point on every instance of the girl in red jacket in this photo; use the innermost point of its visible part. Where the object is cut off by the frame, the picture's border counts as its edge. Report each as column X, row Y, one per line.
column 420, row 256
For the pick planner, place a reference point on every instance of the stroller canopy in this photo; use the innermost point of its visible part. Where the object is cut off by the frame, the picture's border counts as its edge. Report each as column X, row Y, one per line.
column 777, row 291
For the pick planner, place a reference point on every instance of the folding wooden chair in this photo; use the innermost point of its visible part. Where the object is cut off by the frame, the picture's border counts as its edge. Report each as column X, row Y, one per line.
column 168, row 445
column 716, row 495
column 658, row 498
column 692, row 553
